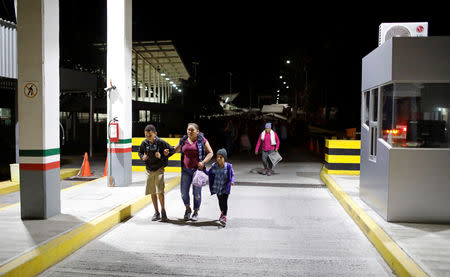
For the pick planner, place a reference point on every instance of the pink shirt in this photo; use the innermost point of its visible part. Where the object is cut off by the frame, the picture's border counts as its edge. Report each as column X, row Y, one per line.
column 267, row 146
column 190, row 152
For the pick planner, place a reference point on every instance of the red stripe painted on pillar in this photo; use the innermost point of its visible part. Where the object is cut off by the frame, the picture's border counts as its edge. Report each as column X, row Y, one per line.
column 40, row 167
column 120, row 150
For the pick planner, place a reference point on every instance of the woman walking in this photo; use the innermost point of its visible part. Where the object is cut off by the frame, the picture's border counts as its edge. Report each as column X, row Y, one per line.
column 270, row 142
column 195, row 153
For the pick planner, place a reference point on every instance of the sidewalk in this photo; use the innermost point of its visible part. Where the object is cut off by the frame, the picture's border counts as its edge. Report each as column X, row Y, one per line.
column 87, row 210
column 401, row 244
column 9, row 186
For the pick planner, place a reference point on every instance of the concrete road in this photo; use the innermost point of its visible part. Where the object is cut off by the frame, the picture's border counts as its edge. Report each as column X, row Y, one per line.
column 272, row 230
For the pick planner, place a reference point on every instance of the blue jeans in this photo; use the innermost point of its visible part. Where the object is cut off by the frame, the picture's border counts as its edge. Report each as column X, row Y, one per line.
column 186, row 181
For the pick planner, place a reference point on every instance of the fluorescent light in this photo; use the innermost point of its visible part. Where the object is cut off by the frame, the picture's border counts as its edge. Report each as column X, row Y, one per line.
column 163, row 74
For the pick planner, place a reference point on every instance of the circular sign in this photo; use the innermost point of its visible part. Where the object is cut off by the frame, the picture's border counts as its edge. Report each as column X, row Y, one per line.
column 419, row 29
column 30, row 90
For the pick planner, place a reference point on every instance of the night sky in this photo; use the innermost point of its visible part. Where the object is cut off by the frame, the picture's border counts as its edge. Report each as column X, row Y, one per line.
column 252, row 41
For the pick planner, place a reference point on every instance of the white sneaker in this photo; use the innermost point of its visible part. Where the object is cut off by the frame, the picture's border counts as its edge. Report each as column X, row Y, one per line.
column 194, row 216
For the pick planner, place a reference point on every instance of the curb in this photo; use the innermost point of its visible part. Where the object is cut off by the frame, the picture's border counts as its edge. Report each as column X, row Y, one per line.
column 42, row 257
column 68, row 172
column 8, row 186
column 394, row 256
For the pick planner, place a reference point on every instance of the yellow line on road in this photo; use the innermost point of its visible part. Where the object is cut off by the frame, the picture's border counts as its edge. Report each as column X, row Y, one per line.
column 394, row 256
column 44, row 256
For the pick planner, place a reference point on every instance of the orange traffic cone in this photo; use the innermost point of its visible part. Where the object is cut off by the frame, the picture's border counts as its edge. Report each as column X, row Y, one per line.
column 106, row 168
column 85, row 170
column 311, row 145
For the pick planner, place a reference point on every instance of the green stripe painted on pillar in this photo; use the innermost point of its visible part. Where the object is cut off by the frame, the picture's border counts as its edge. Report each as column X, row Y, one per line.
column 39, row 153
column 121, row 141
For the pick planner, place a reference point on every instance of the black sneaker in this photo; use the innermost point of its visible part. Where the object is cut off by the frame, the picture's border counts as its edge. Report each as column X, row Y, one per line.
column 187, row 214
column 163, row 215
column 156, row 216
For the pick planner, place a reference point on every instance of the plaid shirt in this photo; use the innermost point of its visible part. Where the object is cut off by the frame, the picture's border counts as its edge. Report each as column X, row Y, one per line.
column 221, row 178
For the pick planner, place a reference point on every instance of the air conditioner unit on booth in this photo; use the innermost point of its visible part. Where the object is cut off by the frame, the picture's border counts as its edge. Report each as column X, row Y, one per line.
column 402, row 29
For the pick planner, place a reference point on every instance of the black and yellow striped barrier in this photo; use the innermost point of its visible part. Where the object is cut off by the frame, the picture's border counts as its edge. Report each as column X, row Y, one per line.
column 139, row 165
column 342, row 157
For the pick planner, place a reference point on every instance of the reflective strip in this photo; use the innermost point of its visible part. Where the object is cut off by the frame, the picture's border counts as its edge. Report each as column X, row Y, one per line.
column 39, row 167
column 166, row 169
column 343, row 144
column 39, row 160
column 342, row 159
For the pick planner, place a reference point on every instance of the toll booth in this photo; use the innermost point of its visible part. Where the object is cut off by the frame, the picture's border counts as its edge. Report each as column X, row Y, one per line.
column 405, row 154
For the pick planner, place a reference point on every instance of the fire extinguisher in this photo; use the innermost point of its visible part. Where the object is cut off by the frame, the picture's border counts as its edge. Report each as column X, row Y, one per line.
column 113, row 135
column 114, row 130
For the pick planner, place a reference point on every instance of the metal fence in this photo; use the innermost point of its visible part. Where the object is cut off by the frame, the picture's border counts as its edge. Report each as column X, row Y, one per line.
column 8, row 49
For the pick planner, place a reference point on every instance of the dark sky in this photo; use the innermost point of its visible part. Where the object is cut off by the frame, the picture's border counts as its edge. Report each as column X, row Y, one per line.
column 251, row 40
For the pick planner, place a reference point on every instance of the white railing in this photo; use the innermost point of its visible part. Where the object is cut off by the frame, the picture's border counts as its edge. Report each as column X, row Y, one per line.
column 8, row 49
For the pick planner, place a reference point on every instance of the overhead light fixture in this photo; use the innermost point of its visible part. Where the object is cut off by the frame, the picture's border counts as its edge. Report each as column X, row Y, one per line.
column 171, row 82
column 167, row 79
column 281, row 77
column 163, row 74
column 284, row 83
column 288, row 61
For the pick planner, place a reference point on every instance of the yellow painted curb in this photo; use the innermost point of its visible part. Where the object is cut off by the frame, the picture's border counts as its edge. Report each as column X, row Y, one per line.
column 8, row 186
column 394, row 256
column 68, row 172
column 44, row 256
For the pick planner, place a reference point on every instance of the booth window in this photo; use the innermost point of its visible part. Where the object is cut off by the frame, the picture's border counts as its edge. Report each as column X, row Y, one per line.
column 365, row 109
column 416, row 115
column 373, row 124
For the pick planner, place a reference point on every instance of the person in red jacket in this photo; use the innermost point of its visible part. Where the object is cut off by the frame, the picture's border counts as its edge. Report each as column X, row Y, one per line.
column 270, row 143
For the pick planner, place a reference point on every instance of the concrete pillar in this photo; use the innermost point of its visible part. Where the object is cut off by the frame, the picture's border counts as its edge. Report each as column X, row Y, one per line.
column 38, row 101
column 158, row 88
column 136, row 79
column 119, row 74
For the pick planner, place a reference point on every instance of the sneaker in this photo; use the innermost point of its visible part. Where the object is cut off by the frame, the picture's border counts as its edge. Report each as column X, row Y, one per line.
column 223, row 220
column 187, row 214
column 156, row 216
column 220, row 217
column 269, row 173
column 264, row 172
column 194, row 216
column 163, row 215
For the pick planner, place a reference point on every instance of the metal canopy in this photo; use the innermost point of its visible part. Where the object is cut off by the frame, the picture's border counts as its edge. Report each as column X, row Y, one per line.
column 160, row 55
